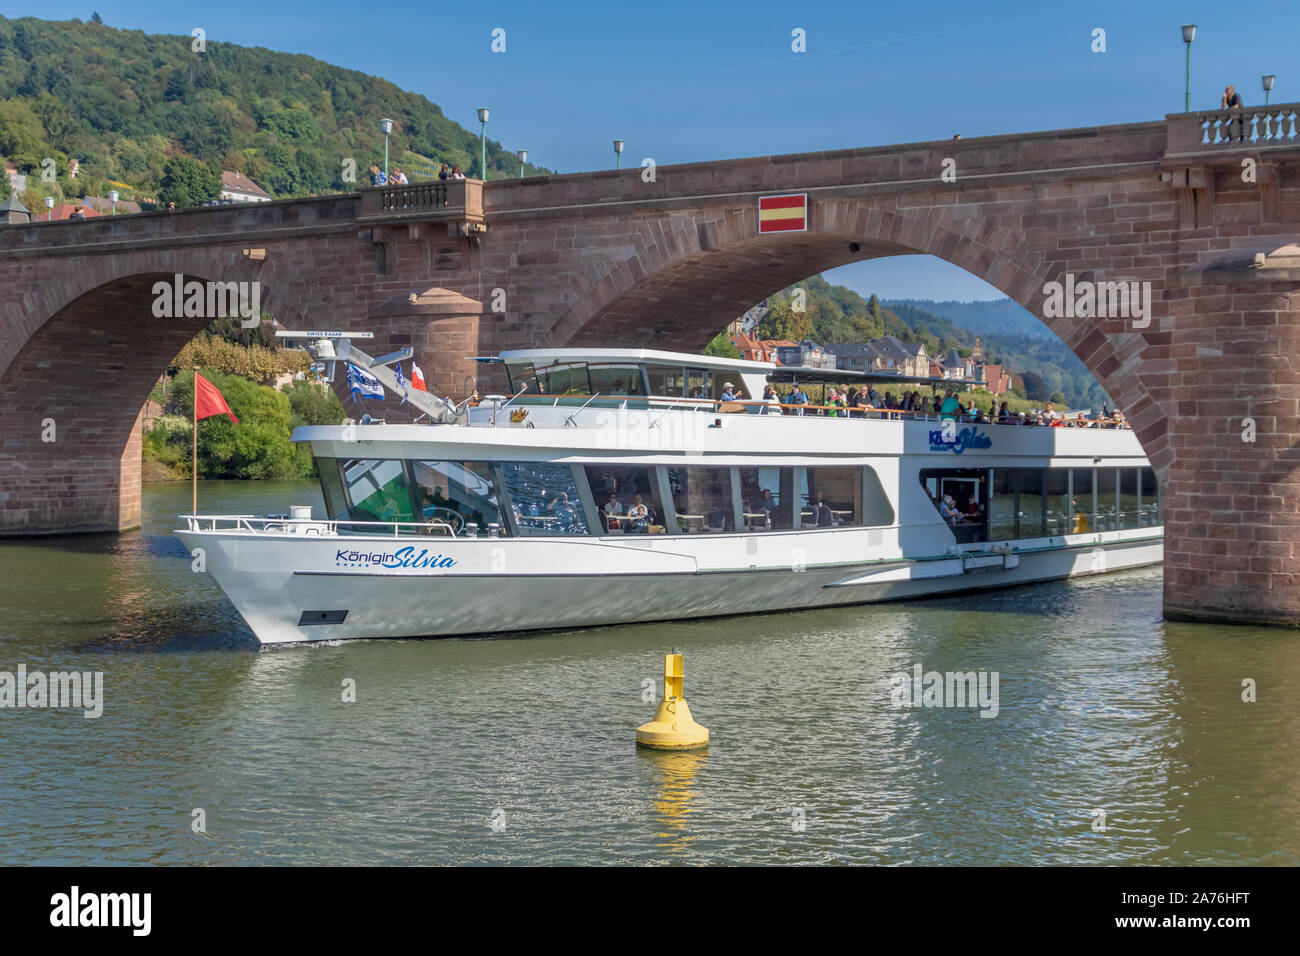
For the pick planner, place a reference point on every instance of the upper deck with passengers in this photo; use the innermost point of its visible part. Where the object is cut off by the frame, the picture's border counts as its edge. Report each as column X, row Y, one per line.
column 646, row 378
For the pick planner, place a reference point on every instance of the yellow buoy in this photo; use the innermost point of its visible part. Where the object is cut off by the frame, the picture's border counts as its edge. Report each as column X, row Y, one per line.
column 673, row 727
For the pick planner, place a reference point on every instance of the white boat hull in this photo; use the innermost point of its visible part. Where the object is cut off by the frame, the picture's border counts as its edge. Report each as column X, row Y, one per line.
column 290, row 589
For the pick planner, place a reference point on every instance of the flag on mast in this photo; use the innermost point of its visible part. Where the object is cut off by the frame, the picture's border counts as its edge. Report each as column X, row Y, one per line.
column 362, row 382
column 401, row 382
column 209, row 401
column 417, row 378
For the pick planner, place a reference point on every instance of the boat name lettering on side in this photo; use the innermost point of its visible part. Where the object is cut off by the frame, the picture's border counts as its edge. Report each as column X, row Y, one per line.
column 401, row 558
column 958, row 443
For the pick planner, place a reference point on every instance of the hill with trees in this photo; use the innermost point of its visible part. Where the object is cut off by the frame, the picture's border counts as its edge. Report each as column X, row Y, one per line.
column 149, row 114
column 1043, row 365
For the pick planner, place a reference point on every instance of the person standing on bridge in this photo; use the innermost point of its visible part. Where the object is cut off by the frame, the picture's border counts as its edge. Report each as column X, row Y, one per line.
column 1231, row 100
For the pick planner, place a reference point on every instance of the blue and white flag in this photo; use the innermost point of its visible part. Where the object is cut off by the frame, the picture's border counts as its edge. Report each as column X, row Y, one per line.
column 401, row 382
column 359, row 380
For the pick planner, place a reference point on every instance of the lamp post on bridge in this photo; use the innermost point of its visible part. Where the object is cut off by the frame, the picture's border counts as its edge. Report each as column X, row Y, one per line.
column 112, row 197
column 523, row 158
column 387, row 126
column 49, row 207
column 618, row 154
column 1189, row 34
column 483, row 113
column 1267, row 80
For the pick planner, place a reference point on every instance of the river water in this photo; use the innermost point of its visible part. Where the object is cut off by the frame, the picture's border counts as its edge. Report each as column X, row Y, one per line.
column 1118, row 739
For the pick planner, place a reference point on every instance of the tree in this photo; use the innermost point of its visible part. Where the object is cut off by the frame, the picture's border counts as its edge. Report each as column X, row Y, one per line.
column 96, row 18
column 782, row 322
column 722, row 348
column 188, row 182
column 1035, row 387
column 1058, row 398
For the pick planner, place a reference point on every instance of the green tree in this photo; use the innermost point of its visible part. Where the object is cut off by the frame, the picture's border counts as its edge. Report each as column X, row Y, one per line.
column 720, row 347
column 313, row 405
column 782, row 322
column 96, row 18
column 188, row 182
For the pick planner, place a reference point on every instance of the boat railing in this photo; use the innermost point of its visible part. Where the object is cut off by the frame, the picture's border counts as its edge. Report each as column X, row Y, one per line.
column 323, row 527
column 770, row 407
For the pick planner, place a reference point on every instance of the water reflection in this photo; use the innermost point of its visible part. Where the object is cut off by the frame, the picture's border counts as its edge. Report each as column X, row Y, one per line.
column 671, row 774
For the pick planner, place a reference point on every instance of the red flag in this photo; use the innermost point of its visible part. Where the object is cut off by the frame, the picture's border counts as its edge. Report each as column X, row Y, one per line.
column 417, row 378
column 209, row 401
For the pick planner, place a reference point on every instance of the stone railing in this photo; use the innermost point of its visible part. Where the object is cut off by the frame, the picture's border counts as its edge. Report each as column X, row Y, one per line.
column 1249, row 127
column 440, row 199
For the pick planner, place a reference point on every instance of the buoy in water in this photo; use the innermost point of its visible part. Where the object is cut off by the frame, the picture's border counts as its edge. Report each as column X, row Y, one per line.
column 673, row 728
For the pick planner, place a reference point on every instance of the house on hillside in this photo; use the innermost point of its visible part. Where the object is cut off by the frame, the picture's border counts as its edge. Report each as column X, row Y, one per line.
column 889, row 355
column 240, row 188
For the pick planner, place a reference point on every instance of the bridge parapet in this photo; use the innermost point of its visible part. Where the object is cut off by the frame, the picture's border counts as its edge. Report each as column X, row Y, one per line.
column 452, row 200
column 1251, row 127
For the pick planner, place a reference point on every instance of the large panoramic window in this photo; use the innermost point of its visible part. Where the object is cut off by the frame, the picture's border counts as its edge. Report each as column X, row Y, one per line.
column 702, row 499
column 667, row 380
column 765, row 498
column 544, row 498
column 377, row 490
column 1130, row 516
column 832, row 497
column 331, row 486
column 1081, row 499
column 615, row 379
column 1150, row 505
column 458, row 494
column 1003, row 522
column 627, row 499
column 1105, row 518
column 566, row 378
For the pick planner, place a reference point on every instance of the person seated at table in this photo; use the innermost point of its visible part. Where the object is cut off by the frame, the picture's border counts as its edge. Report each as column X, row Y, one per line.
column 638, row 516
column 825, row 516
column 948, row 510
column 767, row 502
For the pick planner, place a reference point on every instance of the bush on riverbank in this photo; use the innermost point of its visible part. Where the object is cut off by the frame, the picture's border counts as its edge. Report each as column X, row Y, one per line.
column 258, row 447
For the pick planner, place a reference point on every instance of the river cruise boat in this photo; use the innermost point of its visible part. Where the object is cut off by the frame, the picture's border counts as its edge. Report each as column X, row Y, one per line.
column 620, row 485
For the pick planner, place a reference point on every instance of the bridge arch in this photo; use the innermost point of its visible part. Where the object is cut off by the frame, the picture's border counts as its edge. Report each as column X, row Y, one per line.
column 679, row 294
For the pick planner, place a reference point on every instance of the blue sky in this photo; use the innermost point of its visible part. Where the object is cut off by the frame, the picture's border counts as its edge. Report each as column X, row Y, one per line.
column 690, row 82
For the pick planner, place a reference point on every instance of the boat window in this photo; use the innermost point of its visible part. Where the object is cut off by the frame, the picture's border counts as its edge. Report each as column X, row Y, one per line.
column 1083, row 504
column 766, row 496
column 968, row 511
column 667, row 380
column 1059, row 515
column 331, row 486
column 702, row 499
column 1150, row 505
column 1106, row 519
column 1129, row 515
column 611, row 379
column 877, row 509
column 459, row 494
column 627, row 499
column 544, row 498
column 377, row 490
column 699, row 383
column 1003, row 524
column 522, row 378
column 563, row 378
column 1032, row 512
column 832, row 497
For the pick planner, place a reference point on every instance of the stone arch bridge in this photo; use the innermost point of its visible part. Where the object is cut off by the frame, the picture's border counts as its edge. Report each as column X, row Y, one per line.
column 1205, row 207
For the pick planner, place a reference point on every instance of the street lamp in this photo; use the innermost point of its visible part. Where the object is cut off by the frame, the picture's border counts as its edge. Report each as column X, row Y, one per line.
column 1189, row 34
column 618, row 154
column 483, row 113
column 112, row 197
column 523, row 158
column 49, row 206
column 1268, row 85
column 387, row 126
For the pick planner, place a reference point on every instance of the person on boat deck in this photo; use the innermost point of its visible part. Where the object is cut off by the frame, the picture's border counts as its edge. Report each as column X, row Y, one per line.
column 948, row 510
column 822, row 512
column 1003, row 413
column 951, row 408
column 770, row 396
column 638, row 515
column 798, row 397
column 612, row 505
column 728, row 393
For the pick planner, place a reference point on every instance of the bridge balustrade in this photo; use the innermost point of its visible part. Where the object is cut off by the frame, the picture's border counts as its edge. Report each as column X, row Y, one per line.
column 1249, row 126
